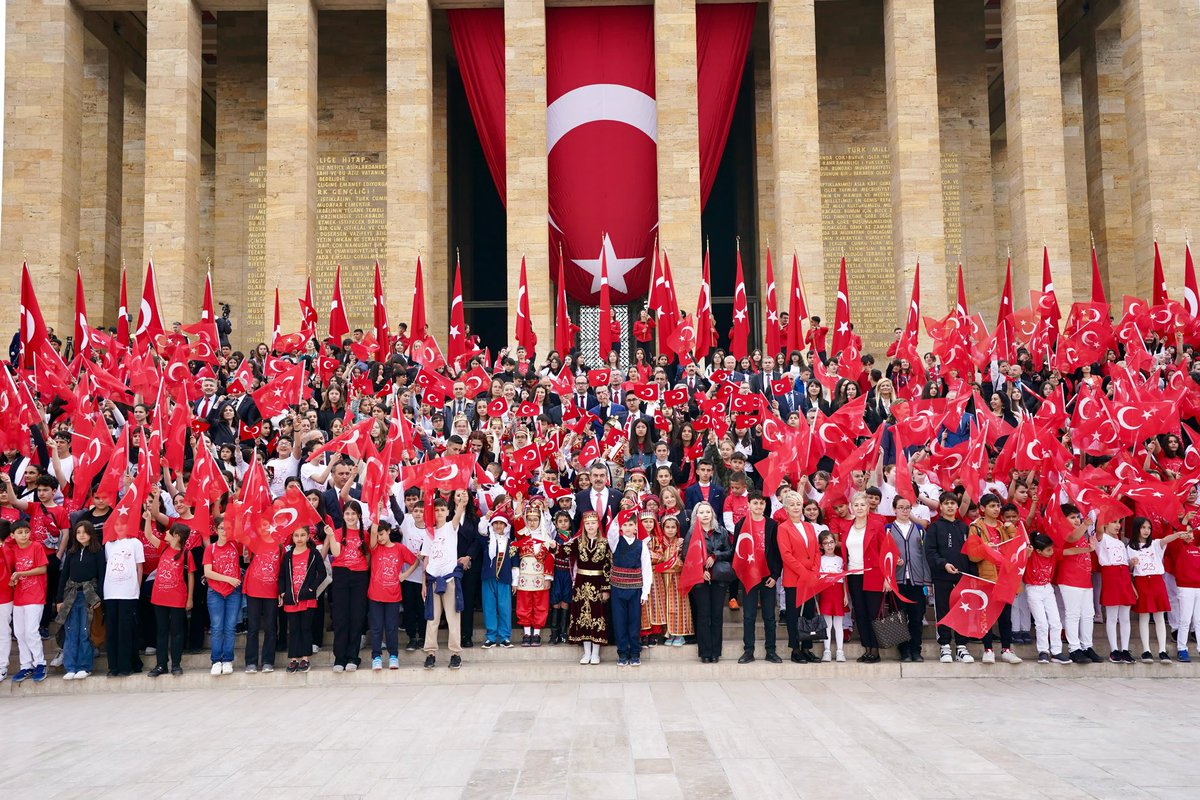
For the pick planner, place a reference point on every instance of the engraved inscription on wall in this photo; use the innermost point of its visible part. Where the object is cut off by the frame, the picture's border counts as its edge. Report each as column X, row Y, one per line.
column 952, row 218
column 351, row 231
column 856, row 214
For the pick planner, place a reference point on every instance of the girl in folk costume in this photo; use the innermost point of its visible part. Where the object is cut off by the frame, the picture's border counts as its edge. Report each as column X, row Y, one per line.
column 654, row 612
column 560, row 590
column 666, row 557
column 631, row 579
column 1117, row 594
column 535, row 574
column 591, row 589
column 1151, row 600
column 834, row 599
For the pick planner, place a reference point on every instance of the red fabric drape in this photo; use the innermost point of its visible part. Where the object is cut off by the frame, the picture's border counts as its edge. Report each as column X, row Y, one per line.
column 722, row 39
column 478, row 36
column 592, row 191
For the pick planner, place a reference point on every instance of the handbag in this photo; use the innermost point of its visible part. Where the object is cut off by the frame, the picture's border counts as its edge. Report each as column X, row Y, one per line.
column 891, row 627
column 96, row 630
column 811, row 628
column 721, row 572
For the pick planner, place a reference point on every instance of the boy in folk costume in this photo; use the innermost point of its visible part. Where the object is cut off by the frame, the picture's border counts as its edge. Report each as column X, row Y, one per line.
column 497, row 580
column 630, row 579
column 535, row 573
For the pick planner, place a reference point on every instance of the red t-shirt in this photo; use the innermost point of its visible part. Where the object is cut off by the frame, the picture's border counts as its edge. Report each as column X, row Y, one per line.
column 6, row 591
column 30, row 589
column 262, row 576
column 47, row 523
column 1040, row 570
column 153, row 554
column 299, row 573
column 1184, row 558
column 351, row 557
column 386, row 565
column 170, row 582
column 224, row 561
column 1075, row 570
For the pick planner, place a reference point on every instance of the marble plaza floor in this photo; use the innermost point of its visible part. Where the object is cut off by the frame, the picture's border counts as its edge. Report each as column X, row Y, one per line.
column 908, row 738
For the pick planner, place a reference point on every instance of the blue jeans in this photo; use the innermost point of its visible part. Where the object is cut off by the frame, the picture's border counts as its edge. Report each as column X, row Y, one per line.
column 78, row 653
column 223, row 612
column 626, row 607
column 497, row 610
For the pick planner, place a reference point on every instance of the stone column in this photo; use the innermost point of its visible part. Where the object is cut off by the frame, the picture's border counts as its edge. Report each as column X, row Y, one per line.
column 1079, row 233
column 172, row 208
column 291, row 240
column 133, row 182
column 527, row 204
column 1034, row 128
column 1162, row 117
column 1106, row 155
column 100, row 185
column 678, row 145
column 914, row 139
column 764, row 153
column 409, row 155
column 797, row 150
column 42, row 129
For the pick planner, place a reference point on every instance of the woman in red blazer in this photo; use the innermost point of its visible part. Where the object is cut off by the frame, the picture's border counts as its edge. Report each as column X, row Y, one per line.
column 862, row 549
column 801, row 562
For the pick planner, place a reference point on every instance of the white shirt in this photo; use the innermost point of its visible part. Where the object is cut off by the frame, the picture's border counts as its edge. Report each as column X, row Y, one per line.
column 120, row 575
column 854, row 547
column 441, row 551
column 413, row 538
column 614, row 537
column 284, row 468
column 1111, row 551
column 307, row 472
column 1149, row 559
column 832, row 564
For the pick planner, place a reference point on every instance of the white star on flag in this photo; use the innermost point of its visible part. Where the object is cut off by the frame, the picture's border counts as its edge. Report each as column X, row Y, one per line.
column 617, row 267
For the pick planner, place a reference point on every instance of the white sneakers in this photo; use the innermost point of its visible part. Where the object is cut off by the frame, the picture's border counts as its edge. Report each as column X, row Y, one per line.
column 76, row 676
column 989, row 657
column 841, row 657
column 216, row 669
column 965, row 657
column 587, row 653
column 946, row 657
column 70, row 676
column 221, row 668
column 595, row 654
column 1009, row 657
column 338, row 668
column 827, row 656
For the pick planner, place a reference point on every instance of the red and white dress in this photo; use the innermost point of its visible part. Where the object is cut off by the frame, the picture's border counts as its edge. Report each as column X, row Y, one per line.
column 1116, row 583
column 832, row 599
column 1152, row 596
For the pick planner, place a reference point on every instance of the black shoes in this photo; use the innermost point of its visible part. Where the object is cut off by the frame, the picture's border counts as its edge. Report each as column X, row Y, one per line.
column 1093, row 656
column 430, row 661
column 797, row 658
column 773, row 657
column 527, row 641
column 154, row 673
column 536, row 641
column 746, row 657
column 455, row 661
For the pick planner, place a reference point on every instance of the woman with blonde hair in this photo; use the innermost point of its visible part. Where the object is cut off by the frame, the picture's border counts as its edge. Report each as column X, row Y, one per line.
column 709, row 595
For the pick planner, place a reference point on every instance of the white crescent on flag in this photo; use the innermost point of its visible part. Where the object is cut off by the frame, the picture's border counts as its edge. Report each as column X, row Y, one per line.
column 966, row 606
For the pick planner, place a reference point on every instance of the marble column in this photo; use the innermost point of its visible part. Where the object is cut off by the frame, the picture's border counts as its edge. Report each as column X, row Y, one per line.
column 42, row 131
column 291, row 233
column 527, row 203
column 914, row 140
column 797, row 150
column 100, row 185
column 678, row 145
column 1035, row 155
column 410, row 135
column 1162, row 118
column 1106, row 156
column 172, row 207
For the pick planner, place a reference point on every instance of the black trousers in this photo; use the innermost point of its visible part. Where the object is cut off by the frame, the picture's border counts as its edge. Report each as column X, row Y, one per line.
column 866, row 608
column 1004, row 624
column 50, row 610
column 299, row 633
column 470, row 589
column 762, row 596
column 120, row 633
column 171, row 626
column 792, row 614
column 147, row 619
column 941, row 604
column 260, row 617
column 349, row 600
column 915, row 614
column 414, row 610
column 198, row 619
column 710, row 602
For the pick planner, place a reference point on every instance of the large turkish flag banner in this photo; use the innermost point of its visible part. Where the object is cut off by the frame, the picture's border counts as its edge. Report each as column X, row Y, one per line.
column 601, row 128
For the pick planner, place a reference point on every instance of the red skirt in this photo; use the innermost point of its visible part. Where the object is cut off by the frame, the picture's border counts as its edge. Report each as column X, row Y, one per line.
column 1116, row 585
column 1151, row 594
column 832, row 600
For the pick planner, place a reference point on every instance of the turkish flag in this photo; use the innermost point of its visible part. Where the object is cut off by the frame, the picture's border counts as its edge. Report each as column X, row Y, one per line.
column 498, row 407
column 675, row 397
column 599, row 377
column 750, row 556
column 782, row 386
column 646, row 392
column 740, row 332
column 476, row 381
column 554, row 491
column 972, row 612
column 149, row 320
column 601, row 121
column 693, row 564
column 525, row 460
column 290, row 512
column 339, row 325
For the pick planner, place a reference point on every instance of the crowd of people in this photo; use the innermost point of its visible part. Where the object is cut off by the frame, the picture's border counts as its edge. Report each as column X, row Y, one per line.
column 548, row 502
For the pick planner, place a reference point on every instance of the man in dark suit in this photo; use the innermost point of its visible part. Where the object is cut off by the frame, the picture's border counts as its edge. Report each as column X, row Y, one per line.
column 582, row 398
column 634, row 412
column 761, row 382
column 789, row 402
column 209, row 403
column 604, row 501
column 459, row 405
column 605, row 408
column 243, row 407
column 690, row 377
column 705, row 489
column 759, row 528
column 341, row 488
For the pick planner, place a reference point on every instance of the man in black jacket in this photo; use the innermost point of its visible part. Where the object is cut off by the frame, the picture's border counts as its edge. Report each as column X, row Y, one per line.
column 944, row 540
column 754, row 528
